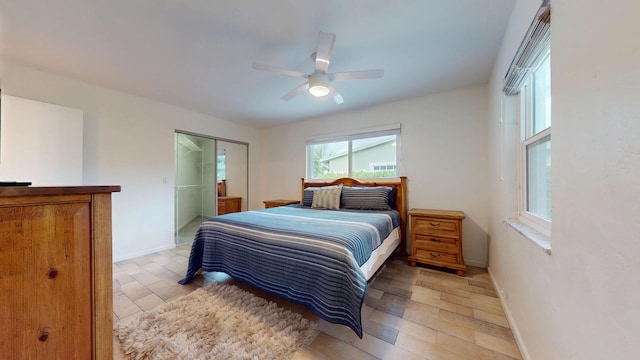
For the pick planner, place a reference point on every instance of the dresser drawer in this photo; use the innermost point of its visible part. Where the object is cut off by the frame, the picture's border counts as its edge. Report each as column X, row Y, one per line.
column 426, row 225
column 429, row 255
column 228, row 204
column 436, row 243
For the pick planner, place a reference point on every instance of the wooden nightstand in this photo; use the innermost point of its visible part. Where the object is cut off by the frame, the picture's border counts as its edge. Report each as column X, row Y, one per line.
column 276, row 203
column 229, row 204
column 436, row 238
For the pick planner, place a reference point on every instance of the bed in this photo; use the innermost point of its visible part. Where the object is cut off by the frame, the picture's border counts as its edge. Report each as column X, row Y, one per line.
column 319, row 254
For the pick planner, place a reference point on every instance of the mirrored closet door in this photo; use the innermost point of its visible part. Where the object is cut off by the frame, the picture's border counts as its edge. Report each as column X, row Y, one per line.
column 211, row 179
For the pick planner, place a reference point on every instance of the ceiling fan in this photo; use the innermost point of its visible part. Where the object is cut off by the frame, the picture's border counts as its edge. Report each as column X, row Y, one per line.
column 319, row 81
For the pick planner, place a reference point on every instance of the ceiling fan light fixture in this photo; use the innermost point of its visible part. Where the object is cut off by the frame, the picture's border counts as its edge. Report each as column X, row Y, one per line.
column 319, row 90
column 319, row 81
column 318, row 85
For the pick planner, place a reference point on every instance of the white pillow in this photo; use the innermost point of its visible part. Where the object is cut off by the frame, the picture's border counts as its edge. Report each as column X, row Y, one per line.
column 327, row 198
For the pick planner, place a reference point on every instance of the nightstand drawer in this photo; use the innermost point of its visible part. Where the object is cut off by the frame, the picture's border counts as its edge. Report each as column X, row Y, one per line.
column 436, row 243
column 425, row 225
column 436, row 256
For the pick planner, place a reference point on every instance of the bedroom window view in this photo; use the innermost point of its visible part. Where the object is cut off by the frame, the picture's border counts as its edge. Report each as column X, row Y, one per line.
column 536, row 143
column 360, row 158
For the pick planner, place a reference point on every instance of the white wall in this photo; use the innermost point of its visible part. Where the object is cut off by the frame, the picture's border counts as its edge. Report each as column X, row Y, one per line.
column 41, row 143
column 582, row 301
column 128, row 141
column 444, row 155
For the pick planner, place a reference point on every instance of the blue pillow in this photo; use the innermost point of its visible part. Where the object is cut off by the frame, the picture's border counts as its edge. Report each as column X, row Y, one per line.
column 393, row 193
column 366, row 198
column 307, row 200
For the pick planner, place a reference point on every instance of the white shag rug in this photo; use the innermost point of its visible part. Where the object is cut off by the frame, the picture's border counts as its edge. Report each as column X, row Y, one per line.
column 219, row 321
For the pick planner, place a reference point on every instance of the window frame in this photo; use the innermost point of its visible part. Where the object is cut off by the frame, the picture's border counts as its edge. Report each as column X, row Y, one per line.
column 527, row 138
column 349, row 137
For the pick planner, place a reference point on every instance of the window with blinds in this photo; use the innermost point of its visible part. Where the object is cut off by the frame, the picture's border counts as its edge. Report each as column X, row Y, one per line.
column 533, row 48
column 529, row 78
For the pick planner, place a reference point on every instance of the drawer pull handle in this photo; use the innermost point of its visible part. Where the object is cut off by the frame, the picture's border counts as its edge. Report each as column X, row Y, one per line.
column 435, row 256
column 435, row 240
column 434, row 225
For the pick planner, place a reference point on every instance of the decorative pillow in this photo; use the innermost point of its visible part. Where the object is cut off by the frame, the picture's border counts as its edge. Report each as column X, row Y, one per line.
column 307, row 200
column 327, row 198
column 366, row 198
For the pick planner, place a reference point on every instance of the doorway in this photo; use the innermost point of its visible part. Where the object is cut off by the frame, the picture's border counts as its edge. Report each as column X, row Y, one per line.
column 194, row 184
column 205, row 166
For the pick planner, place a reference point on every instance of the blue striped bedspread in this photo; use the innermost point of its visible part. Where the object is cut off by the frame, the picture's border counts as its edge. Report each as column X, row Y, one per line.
column 307, row 256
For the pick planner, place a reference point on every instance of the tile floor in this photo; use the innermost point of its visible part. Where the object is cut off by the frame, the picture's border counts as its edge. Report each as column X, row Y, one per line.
column 409, row 312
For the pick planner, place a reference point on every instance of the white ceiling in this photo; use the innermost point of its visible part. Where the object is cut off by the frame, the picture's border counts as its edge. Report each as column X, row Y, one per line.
column 197, row 54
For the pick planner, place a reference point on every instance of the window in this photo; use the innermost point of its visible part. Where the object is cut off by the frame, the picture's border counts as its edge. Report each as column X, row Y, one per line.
column 529, row 76
column 368, row 154
column 535, row 181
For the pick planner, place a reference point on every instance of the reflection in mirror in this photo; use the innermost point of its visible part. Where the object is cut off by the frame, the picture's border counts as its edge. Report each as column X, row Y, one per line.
column 222, row 165
column 232, row 162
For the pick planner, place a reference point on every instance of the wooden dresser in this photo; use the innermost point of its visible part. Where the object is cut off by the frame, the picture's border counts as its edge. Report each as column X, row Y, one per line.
column 436, row 238
column 276, row 203
column 55, row 272
column 229, row 204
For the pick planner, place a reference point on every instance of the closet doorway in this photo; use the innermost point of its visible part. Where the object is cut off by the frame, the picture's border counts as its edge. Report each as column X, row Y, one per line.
column 211, row 179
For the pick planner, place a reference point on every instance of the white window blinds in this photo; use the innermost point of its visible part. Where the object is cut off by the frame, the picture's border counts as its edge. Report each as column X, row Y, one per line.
column 533, row 48
column 391, row 129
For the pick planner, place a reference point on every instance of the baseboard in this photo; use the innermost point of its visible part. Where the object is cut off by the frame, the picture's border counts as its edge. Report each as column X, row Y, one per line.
column 471, row 262
column 512, row 323
column 143, row 253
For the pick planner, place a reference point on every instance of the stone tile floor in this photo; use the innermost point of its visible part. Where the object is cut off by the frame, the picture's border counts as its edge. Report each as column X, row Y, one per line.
column 409, row 312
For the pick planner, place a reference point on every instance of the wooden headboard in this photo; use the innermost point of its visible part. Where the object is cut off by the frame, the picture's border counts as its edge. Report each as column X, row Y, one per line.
column 401, row 198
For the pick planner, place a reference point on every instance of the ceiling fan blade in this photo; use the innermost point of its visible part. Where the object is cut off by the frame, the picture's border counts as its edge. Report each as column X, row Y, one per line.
column 336, row 95
column 324, row 51
column 280, row 70
column 291, row 94
column 356, row 75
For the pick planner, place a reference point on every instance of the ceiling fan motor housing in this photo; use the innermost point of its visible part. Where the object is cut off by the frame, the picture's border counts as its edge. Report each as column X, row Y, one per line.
column 319, row 84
